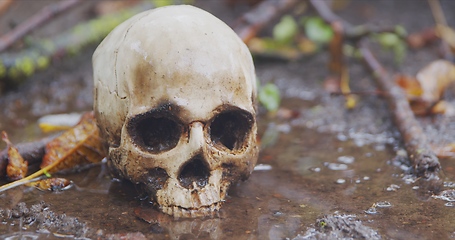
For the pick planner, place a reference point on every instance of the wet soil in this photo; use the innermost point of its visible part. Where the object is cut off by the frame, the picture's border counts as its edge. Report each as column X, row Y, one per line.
column 325, row 173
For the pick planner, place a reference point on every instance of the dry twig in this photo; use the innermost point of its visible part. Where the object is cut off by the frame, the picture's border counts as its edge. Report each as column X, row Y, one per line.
column 15, row 66
column 253, row 21
column 39, row 18
column 424, row 160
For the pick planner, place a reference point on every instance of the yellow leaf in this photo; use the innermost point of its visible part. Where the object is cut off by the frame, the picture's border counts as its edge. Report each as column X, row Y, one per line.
column 434, row 79
column 410, row 85
column 77, row 146
column 17, row 167
column 51, row 184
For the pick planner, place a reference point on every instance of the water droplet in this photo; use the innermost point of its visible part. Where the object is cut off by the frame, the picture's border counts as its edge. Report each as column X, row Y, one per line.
column 262, row 167
column 446, row 195
column 379, row 147
column 371, row 210
column 337, row 166
column 392, row 188
column 366, row 178
column 278, row 213
column 359, row 142
column 409, row 179
column 383, row 204
column 342, row 137
column 357, row 181
column 346, row 159
column 340, row 181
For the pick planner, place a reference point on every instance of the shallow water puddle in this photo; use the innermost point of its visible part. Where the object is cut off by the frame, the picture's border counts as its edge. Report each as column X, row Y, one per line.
column 305, row 175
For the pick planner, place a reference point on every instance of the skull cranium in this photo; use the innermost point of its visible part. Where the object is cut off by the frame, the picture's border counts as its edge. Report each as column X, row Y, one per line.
column 175, row 99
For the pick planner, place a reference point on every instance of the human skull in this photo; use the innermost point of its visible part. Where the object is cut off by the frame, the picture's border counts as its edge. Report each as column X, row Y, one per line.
column 175, row 94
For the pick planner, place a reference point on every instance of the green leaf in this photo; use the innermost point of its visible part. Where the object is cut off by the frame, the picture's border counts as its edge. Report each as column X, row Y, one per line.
column 388, row 40
column 317, row 30
column 285, row 30
column 400, row 51
column 269, row 97
column 401, row 31
column 394, row 43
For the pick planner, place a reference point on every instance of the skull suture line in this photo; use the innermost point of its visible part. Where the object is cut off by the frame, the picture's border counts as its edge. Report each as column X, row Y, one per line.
column 175, row 94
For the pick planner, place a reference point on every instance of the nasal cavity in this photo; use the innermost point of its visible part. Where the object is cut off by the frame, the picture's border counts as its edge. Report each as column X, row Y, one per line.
column 194, row 171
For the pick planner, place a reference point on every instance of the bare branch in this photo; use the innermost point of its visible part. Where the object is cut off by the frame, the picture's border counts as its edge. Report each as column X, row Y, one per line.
column 36, row 20
column 253, row 21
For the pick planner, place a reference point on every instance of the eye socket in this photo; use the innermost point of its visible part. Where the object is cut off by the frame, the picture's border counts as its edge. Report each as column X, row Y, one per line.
column 231, row 128
column 155, row 132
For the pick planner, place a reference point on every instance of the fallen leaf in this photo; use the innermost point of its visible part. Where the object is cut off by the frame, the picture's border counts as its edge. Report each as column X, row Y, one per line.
column 426, row 90
column 77, row 146
column 317, row 30
column 393, row 41
column 108, row 7
column 285, row 30
column 269, row 47
column 421, row 39
column 447, row 151
column 440, row 107
column 269, row 97
column 58, row 122
column 435, row 78
column 410, row 85
column 17, row 167
column 51, row 184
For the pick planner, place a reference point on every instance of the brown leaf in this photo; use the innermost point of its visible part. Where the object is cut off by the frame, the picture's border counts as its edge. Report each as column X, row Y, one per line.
column 17, row 167
column 51, row 184
column 77, row 146
column 108, row 7
column 447, row 151
column 426, row 90
column 434, row 79
column 410, row 85
column 421, row 39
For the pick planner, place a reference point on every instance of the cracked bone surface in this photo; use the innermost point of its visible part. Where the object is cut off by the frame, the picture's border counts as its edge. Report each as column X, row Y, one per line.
column 175, row 94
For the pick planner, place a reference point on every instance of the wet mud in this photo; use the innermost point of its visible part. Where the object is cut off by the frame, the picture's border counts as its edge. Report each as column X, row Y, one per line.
column 324, row 172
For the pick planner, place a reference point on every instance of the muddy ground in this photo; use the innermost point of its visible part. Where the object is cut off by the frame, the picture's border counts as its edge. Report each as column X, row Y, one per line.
column 329, row 173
